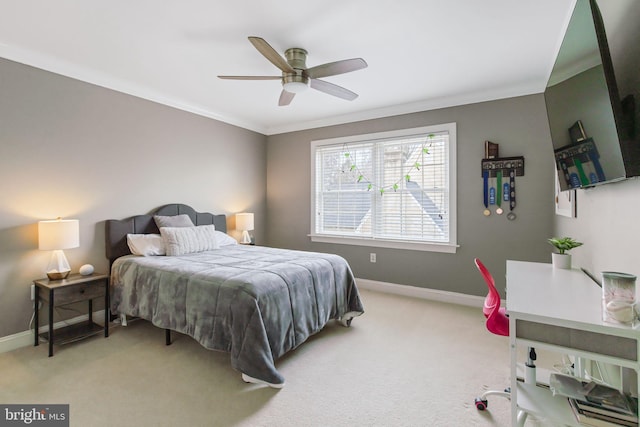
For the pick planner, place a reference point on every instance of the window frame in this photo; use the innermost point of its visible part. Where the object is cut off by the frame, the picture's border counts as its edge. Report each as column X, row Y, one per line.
column 444, row 247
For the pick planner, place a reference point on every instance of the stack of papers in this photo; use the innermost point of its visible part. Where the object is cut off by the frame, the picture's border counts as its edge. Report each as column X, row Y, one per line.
column 595, row 404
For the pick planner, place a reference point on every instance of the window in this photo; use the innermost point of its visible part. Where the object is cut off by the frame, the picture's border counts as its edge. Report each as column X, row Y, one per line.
column 391, row 189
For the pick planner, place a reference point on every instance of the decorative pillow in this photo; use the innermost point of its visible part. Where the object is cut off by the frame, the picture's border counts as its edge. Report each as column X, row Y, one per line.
column 224, row 239
column 182, row 220
column 186, row 240
column 146, row 244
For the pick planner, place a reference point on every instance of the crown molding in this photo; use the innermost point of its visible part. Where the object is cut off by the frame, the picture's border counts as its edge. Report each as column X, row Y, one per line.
column 95, row 77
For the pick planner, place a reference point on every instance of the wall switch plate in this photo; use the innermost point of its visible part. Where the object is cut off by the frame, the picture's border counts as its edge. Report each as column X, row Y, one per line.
column 33, row 292
column 372, row 257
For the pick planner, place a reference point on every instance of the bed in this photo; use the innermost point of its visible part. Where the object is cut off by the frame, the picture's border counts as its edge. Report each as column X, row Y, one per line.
column 256, row 303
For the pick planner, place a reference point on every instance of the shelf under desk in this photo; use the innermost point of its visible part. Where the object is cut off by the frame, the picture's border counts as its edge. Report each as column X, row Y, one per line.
column 560, row 310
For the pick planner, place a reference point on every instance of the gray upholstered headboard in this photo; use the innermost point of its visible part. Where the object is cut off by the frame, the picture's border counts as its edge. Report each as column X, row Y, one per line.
column 116, row 230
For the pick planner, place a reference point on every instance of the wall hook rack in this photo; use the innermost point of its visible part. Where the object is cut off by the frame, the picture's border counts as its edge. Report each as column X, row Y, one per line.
column 504, row 164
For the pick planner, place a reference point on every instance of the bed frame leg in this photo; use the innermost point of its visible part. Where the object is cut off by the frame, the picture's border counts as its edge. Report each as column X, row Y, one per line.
column 123, row 319
column 167, row 336
column 348, row 317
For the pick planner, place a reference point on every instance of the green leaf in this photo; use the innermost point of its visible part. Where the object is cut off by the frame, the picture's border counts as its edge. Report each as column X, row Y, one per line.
column 431, row 135
column 347, row 154
column 417, row 165
column 564, row 244
column 395, row 187
column 352, row 167
column 425, row 150
column 360, row 178
column 407, row 178
column 369, row 187
column 381, row 191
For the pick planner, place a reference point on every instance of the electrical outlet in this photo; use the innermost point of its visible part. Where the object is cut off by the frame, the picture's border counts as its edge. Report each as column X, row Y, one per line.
column 372, row 257
column 33, row 292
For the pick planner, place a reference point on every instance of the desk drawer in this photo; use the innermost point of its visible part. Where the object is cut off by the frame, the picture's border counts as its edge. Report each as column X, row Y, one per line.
column 79, row 292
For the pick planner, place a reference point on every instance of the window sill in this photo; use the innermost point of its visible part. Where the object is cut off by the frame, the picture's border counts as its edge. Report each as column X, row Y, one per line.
column 379, row 243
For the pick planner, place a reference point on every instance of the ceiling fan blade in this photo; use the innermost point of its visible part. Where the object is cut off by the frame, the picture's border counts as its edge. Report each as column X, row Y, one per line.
column 332, row 89
column 285, row 98
column 250, row 77
column 270, row 53
column 335, row 68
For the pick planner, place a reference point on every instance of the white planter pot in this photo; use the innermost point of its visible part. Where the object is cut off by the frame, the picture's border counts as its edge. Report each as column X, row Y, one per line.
column 561, row 261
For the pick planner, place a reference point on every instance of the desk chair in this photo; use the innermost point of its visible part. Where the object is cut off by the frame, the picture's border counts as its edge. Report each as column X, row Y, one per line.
column 498, row 323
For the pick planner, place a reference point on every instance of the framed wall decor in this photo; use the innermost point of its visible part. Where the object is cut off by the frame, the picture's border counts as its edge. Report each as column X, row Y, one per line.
column 565, row 201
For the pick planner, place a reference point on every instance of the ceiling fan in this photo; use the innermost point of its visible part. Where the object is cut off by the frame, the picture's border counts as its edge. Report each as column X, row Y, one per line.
column 296, row 77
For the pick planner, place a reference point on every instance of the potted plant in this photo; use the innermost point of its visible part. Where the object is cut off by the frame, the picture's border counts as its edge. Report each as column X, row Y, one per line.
column 562, row 259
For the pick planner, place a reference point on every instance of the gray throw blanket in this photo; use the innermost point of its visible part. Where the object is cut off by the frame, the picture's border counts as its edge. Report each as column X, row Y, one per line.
column 254, row 302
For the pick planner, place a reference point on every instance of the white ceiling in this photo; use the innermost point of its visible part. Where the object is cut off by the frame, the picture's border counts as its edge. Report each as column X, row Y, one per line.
column 422, row 54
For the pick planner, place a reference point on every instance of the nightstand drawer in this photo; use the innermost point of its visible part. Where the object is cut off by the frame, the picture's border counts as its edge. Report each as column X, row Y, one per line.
column 79, row 292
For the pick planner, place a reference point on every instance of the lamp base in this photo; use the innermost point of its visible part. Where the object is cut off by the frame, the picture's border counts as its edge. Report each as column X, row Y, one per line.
column 58, row 267
column 57, row 275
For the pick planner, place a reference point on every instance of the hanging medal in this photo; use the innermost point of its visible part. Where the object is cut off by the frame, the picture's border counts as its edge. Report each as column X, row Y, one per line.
column 505, row 192
column 485, row 192
column 512, row 194
column 499, row 191
column 492, row 193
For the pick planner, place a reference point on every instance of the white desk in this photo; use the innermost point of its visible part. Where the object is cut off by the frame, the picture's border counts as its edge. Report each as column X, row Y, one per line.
column 560, row 310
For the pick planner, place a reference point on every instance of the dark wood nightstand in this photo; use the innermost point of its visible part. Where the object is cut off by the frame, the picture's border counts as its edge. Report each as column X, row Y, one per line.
column 75, row 288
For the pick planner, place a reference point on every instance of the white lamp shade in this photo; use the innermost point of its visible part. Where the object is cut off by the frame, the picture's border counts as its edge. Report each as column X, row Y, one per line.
column 58, row 234
column 244, row 221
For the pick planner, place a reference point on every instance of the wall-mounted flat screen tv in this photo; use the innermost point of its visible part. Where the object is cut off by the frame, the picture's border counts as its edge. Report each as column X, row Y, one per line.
column 593, row 120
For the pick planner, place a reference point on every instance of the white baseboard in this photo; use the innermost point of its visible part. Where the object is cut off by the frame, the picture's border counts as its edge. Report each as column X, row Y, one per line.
column 423, row 293
column 24, row 339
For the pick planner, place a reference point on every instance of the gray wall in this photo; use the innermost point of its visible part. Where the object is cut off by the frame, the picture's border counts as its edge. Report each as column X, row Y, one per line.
column 80, row 151
column 519, row 125
column 608, row 225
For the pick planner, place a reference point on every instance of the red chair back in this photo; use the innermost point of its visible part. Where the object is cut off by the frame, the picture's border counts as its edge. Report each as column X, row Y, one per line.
column 493, row 297
column 497, row 320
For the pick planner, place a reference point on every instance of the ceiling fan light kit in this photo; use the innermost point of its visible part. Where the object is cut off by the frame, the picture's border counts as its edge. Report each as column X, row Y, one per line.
column 295, row 83
column 296, row 77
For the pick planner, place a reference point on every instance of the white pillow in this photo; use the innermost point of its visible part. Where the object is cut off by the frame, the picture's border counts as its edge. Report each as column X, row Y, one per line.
column 186, row 240
column 145, row 244
column 224, row 239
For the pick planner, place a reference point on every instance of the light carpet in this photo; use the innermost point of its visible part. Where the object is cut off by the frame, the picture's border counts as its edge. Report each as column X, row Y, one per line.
column 405, row 362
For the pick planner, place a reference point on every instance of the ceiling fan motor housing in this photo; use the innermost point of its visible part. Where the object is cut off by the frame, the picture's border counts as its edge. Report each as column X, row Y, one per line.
column 295, row 82
column 296, row 57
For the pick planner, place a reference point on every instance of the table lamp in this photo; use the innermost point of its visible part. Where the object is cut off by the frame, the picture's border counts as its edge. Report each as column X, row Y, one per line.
column 56, row 235
column 244, row 222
